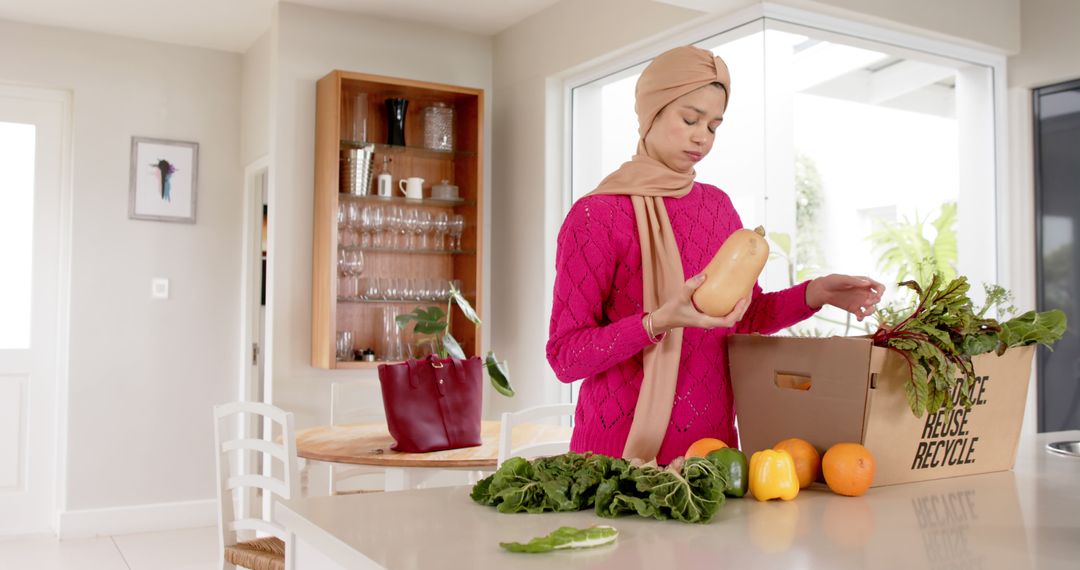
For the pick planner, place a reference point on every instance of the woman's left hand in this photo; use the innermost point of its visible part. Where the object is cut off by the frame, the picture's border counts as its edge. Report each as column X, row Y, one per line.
column 856, row 295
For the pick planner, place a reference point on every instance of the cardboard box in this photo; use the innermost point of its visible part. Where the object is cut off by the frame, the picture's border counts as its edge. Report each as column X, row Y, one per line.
column 844, row 389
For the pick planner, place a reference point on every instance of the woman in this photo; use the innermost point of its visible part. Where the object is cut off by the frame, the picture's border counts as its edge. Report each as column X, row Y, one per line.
column 655, row 369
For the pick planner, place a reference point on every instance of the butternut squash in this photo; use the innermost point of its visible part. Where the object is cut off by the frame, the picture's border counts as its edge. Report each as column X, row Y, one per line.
column 733, row 271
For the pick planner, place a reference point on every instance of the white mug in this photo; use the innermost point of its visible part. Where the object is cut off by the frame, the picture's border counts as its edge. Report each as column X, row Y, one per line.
column 412, row 188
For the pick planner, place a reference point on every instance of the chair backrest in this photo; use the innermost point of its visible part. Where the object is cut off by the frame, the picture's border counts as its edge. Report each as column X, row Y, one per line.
column 531, row 449
column 351, row 402
column 231, row 478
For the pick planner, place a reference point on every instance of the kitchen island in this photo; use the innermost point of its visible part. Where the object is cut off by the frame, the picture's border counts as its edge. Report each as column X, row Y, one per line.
column 1025, row 518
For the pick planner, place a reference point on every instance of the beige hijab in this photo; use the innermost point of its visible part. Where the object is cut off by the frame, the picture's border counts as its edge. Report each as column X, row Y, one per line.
column 648, row 181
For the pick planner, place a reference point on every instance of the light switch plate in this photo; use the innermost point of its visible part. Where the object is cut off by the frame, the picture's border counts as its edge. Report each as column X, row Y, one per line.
column 159, row 288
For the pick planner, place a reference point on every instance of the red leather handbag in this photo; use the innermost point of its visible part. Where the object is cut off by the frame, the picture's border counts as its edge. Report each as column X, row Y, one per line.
column 433, row 404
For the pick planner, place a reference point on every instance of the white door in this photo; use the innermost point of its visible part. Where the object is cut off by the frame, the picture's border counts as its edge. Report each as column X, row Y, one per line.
column 32, row 129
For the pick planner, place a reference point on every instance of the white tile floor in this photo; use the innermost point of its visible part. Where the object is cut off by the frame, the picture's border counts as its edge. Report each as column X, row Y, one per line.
column 187, row 549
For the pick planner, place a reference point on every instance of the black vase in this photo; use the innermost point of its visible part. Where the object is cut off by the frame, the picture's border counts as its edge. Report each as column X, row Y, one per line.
column 395, row 120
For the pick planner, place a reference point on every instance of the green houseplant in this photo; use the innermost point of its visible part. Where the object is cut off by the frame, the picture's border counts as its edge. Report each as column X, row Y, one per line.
column 434, row 322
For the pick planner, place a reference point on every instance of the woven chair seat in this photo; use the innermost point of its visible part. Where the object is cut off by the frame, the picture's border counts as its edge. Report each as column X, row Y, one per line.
column 259, row 554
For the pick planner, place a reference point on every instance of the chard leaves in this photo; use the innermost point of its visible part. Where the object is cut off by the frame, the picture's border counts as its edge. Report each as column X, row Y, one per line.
column 692, row 492
column 942, row 333
column 566, row 537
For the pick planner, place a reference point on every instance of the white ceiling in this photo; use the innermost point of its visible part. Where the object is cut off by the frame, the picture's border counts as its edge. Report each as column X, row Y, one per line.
column 233, row 25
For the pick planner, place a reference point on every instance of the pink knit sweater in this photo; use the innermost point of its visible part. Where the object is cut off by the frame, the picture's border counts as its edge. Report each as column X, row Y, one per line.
column 596, row 332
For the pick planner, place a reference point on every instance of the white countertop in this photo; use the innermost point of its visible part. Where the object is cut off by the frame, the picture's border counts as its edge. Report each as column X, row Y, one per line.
column 1026, row 518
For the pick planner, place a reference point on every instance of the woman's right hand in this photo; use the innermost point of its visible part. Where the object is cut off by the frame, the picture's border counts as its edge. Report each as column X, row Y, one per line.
column 681, row 312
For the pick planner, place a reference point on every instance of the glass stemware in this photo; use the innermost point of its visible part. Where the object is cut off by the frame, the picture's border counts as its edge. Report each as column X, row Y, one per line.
column 441, row 226
column 423, row 228
column 457, row 228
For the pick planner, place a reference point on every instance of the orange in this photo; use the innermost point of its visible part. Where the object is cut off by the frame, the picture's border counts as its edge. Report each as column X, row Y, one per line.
column 848, row 468
column 807, row 459
column 703, row 446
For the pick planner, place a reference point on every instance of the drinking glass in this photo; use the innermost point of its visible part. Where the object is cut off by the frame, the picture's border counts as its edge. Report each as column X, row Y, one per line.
column 365, row 226
column 354, row 216
column 457, row 228
column 344, row 345
column 410, row 222
column 391, row 337
column 371, row 290
column 378, row 227
column 426, row 291
column 441, row 226
column 442, row 293
column 395, row 220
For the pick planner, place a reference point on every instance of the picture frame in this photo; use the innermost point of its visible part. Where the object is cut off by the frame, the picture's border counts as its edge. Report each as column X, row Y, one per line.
column 164, row 180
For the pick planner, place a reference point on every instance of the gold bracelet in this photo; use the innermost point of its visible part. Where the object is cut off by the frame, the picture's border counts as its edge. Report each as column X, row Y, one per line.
column 649, row 330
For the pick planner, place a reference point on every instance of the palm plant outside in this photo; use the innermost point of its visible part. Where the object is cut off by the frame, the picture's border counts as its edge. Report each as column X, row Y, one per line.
column 906, row 251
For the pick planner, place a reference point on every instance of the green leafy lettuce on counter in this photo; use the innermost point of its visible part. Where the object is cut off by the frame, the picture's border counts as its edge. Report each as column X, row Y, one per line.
column 565, row 538
column 690, row 491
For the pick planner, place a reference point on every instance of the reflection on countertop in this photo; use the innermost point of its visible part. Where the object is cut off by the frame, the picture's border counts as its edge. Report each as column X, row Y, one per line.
column 1026, row 518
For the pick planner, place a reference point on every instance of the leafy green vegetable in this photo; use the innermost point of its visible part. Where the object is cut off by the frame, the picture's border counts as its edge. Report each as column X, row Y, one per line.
column 691, row 492
column 942, row 333
column 566, row 537
column 1033, row 328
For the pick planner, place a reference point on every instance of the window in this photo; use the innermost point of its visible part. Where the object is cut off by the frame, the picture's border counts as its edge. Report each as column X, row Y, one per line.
column 858, row 157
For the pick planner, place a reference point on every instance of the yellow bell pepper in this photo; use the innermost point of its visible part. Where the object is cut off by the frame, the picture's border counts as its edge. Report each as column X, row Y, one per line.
column 773, row 476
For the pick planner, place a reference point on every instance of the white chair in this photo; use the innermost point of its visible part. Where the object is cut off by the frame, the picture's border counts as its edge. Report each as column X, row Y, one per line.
column 237, row 477
column 350, row 402
column 531, row 449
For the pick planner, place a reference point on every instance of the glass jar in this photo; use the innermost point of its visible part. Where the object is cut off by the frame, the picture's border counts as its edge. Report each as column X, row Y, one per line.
column 439, row 127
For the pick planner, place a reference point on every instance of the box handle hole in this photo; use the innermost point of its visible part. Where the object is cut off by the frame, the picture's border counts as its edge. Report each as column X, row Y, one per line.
column 789, row 381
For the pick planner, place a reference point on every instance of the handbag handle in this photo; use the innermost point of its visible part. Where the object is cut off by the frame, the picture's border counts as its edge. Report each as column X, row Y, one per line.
column 414, row 373
column 460, row 369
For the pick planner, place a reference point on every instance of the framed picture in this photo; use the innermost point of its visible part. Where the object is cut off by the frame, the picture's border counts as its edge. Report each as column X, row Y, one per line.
column 163, row 180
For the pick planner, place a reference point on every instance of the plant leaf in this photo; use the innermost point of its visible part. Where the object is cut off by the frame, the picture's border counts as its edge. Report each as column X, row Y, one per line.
column 466, row 308
column 403, row 320
column 499, row 378
column 783, row 241
column 945, row 243
column 433, row 313
column 452, row 347
column 430, row 327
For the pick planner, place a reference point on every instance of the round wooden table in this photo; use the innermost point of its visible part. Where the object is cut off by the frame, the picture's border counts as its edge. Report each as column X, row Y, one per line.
column 369, row 444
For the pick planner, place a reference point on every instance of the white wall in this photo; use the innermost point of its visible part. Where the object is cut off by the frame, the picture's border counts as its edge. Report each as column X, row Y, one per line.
column 143, row 374
column 1048, row 54
column 256, row 88
column 311, row 43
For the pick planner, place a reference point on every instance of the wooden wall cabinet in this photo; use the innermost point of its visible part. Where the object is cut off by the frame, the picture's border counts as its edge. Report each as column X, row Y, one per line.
column 393, row 263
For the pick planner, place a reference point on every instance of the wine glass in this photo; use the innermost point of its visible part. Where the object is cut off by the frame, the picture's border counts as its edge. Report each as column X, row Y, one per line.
column 356, row 262
column 365, row 226
column 410, row 222
column 441, row 226
column 443, row 292
column 378, row 227
column 354, row 220
column 395, row 223
column 423, row 227
column 457, row 228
